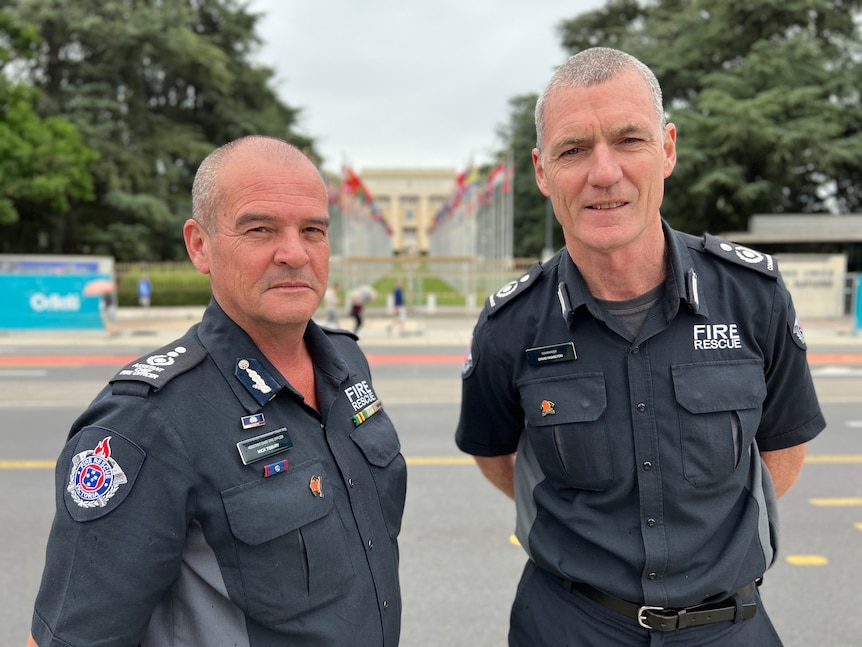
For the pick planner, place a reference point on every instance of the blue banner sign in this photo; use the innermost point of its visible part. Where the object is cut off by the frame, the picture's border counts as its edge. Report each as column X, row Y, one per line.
column 46, row 291
column 45, row 301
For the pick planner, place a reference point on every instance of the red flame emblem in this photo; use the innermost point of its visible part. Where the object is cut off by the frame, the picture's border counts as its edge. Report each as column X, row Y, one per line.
column 314, row 486
column 103, row 449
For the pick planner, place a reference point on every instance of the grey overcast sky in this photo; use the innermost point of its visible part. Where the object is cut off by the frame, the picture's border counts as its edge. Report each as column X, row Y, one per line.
column 394, row 83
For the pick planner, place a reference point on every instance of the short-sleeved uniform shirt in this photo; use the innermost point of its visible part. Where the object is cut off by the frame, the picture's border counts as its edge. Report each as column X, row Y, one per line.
column 200, row 501
column 638, row 467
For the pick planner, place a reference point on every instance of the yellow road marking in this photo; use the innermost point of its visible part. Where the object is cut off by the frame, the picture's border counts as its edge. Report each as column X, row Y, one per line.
column 514, row 540
column 416, row 460
column 848, row 458
column 27, row 465
column 440, row 460
column 807, row 560
column 836, row 501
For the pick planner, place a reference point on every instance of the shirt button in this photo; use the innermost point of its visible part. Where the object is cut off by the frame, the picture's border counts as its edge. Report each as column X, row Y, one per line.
column 641, row 407
column 370, row 544
column 385, row 604
column 652, row 576
column 650, row 522
column 635, row 350
column 647, row 466
column 350, row 482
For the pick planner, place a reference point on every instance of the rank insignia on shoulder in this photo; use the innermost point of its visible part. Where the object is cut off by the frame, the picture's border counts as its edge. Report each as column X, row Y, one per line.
column 741, row 255
column 102, row 474
column 513, row 288
column 163, row 365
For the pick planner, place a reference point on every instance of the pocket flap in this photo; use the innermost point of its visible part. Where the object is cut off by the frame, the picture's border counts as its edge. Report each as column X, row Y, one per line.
column 377, row 439
column 563, row 400
column 262, row 510
column 707, row 387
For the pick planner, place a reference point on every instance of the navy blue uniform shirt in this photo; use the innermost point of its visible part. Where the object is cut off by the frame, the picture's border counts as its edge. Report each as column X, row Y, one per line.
column 168, row 533
column 638, row 467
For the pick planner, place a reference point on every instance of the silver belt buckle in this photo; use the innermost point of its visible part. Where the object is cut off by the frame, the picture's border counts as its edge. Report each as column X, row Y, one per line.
column 642, row 611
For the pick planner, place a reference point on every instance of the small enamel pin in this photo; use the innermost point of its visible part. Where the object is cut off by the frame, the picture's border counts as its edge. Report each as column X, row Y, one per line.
column 254, row 420
column 548, row 408
column 314, row 486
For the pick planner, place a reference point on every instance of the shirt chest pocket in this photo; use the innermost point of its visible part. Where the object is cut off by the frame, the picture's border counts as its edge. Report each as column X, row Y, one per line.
column 291, row 552
column 567, row 429
column 720, row 405
column 379, row 443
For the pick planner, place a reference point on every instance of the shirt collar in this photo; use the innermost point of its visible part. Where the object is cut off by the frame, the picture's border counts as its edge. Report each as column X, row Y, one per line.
column 226, row 343
column 681, row 283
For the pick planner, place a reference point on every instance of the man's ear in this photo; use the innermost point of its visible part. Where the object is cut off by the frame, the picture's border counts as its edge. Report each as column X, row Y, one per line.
column 669, row 149
column 539, row 167
column 196, row 245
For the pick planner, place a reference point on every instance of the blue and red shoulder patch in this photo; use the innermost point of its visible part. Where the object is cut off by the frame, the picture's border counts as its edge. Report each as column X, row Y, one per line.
column 102, row 473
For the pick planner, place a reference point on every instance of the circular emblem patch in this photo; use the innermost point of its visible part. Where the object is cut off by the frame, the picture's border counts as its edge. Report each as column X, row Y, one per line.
column 95, row 476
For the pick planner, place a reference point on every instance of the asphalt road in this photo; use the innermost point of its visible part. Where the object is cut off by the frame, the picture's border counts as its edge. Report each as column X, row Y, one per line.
column 459, row 566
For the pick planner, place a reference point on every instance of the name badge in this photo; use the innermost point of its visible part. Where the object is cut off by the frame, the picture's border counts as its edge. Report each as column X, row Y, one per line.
column 564, row 352
column 263, row 446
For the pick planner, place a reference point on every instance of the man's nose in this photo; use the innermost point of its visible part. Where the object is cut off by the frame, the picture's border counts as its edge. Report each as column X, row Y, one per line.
column 290, row 250
column 605, row 169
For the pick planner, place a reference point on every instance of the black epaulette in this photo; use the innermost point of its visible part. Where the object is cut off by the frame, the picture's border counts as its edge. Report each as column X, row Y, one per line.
column 750, row 258
column 512, row 290
column 340, row 331
column 159, row 367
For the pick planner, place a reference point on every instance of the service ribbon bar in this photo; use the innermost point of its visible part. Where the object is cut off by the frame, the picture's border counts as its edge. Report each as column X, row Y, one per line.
column 366, row 413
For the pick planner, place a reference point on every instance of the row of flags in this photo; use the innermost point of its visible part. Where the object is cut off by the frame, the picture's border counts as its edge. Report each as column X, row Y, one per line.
column 352, row 195
column 473, row 191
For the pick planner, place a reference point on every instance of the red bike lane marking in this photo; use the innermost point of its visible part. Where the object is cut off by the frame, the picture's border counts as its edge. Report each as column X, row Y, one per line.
column 815, row 359
column 72, row 361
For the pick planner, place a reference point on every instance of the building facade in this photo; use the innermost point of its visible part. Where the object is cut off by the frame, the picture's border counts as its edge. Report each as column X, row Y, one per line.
column 409, row 200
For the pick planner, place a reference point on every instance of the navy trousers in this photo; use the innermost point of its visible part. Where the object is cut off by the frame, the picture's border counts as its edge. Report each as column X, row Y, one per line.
column 547, row 614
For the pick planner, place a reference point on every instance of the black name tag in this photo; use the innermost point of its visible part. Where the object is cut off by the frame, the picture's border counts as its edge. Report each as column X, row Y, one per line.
column 564, row 352
column 264, row 446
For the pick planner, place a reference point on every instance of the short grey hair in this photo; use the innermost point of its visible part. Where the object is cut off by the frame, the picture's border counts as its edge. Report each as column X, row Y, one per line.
column 591, row 67
column 207, row 188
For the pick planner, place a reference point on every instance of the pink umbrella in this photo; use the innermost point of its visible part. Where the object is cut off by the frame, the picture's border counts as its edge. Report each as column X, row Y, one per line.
column 98, row 287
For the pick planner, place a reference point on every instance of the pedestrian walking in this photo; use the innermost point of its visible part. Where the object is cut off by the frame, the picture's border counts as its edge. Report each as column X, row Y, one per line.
column 399, row 311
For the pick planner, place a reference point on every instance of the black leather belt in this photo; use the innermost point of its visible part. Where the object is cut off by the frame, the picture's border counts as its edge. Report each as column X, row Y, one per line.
column 661, row 619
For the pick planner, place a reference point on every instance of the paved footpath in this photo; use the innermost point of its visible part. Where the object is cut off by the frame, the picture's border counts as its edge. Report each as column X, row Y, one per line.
column 156, row 327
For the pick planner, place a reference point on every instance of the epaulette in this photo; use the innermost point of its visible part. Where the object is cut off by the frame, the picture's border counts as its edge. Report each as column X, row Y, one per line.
column 340, row 331
column 750, row 258
column 512, row 290
column 159, row 367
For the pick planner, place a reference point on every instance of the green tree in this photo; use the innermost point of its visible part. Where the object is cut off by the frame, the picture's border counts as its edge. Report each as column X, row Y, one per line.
column 765, row 95
column 153, row 86
column 44, row 165
column 519, row 135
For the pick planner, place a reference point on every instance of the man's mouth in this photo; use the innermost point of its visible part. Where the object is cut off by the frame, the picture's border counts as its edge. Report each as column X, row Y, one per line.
column 606, row 205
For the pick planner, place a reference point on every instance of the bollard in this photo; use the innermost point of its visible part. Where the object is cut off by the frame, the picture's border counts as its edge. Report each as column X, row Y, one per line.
column 858, row 304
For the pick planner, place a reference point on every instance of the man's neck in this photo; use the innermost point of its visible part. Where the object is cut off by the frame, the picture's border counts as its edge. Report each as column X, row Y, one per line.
column 625, row 273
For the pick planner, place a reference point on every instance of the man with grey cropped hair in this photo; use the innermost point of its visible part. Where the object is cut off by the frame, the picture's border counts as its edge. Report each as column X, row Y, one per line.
column 643, row 396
